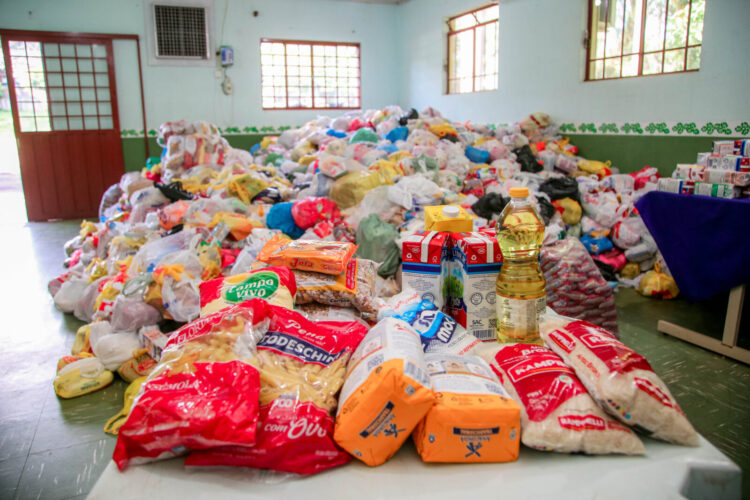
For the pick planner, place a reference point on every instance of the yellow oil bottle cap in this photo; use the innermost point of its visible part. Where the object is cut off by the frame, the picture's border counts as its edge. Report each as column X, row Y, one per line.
column 518, row 192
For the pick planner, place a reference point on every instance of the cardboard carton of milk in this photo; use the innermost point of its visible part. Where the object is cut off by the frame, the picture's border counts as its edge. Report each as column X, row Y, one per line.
column 471, row 276
column 422, row 254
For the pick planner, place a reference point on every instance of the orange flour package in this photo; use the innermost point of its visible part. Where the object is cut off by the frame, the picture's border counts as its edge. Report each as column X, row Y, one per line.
column 328, row 257
column 473, row 418
column 386, row 393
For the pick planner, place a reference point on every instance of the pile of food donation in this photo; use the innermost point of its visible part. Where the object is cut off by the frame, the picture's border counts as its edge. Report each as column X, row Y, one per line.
column 360, row 280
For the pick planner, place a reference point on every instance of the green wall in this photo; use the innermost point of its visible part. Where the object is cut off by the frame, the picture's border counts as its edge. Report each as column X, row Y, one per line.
column 133, row 149
column 632, row 153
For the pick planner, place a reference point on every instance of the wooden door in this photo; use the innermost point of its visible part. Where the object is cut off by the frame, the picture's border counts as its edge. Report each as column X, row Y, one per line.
column 64, row 103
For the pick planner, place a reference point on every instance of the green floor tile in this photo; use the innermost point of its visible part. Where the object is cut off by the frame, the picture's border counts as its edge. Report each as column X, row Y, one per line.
column 16, row 435
column 10, row 474
column 64, row 472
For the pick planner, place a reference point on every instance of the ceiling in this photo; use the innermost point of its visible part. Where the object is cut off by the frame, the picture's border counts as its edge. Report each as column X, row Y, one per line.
column 387, row 2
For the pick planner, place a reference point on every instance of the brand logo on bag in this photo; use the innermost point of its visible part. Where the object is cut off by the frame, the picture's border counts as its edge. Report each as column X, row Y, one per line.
column 649, row 388
column 260, row 285
column 565, row 342
column 582, row 422
column 178, row 386
column 297, row 348
column 525, row 369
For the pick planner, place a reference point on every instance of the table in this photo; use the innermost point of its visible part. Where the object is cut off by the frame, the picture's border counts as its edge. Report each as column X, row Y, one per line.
column 706, row 244
column 667, row 471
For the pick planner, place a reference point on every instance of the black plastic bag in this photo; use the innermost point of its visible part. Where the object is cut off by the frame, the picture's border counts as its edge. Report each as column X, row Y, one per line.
column 174, row 191
column 526, row 158
column 412, row 114
column 546, row 209
column 489, row 205
column 608, row 272
column 563, row 187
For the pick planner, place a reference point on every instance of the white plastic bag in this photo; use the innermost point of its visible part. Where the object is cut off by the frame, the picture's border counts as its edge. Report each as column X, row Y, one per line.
column 69, row 293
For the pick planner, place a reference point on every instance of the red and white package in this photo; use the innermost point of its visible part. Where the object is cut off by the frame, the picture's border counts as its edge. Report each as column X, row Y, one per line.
column 302, row 366
column 557, row 414
column 620, row 379
column 204, row 391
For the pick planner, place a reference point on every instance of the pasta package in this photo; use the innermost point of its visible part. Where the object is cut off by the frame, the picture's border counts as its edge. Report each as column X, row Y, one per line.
column 327, row 257
column 276, row 285
column 621, row 380
column 355, row 287
column 204, row 391
column 557, row 414
column 386, row 393
column 473, row 418
column 302, row 366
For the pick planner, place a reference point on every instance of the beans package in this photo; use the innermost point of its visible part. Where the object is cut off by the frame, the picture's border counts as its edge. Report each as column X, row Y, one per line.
column 386, row 393
column 473, row 418
column 621, row 380
column 328, row 257
column 302, row 366
column 203, row 393
column 274, row 284
column 575, row 287
column 557, row 414
column 355, row 287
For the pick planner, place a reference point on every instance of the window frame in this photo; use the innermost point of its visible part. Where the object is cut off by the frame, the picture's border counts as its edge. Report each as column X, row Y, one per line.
column 641, row 52
column 311, row 43
column 451, row 32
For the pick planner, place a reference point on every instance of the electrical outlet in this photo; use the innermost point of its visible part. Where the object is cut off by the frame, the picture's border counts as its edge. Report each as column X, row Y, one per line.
column 227, row 86
column 218, row 73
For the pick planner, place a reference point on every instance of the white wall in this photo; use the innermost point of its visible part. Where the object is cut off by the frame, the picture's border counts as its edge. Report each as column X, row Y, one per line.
column 542, row 60
column 194, row 92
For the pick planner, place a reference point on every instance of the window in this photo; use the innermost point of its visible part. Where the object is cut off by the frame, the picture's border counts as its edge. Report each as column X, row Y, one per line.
column 472, row 51
column 643, row 37
column 180, row 31
column 310, row 75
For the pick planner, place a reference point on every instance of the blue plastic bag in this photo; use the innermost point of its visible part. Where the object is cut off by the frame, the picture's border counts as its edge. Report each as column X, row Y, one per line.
column 280, row 217
column 596, row 245
column 477, row 155
column 398, row 134
column 336, row 133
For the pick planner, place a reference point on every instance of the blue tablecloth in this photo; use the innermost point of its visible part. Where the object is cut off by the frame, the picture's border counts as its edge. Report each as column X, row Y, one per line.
column 705, row 241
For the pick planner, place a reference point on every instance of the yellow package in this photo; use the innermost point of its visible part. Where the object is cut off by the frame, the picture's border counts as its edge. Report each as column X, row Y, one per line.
column 473, row 418
column 657, row 284
column 306, row 160
column 275, row 285
column 398, row 156
column 82, row 377
column 113, row 424
column 327, row 257
column 267, row 141
column 81, row 343
column 245, row 187
column 630, row 271
column 448, row 218
column 349, row 189
column 239, row 226
column 140, row 365
column 600, row 169
column 443, row 129
column 386, row 393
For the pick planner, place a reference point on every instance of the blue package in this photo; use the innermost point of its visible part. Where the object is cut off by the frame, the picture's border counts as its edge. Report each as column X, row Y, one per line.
column 336, row 133
column 389, row 148
column 596, row 245
column 280, row 217
column 432, row 325
column 255, row 147
column 398, row 134
column 477, row 155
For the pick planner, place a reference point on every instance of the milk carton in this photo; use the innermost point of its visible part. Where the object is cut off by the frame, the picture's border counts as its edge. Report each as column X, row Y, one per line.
column 471, row 275
column 723, row 147
column 422, row 254
column 717, row 190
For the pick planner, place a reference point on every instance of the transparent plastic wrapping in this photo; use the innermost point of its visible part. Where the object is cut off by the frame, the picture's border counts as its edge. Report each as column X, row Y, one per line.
column 302, row 366
column 557, row 414
column 327, row 257
column 575, row 286
column 204, row 391
column 621, row 380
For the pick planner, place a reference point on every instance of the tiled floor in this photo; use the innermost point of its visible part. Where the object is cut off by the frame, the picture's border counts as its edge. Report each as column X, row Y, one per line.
column 55, row 449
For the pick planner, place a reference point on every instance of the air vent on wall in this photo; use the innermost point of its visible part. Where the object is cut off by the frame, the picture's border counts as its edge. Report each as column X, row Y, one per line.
column 180, row 32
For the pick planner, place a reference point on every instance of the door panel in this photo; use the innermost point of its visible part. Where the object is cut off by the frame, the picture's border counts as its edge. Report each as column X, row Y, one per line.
column 64, row 103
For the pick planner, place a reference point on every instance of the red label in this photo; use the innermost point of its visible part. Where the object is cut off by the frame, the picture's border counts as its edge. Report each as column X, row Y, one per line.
column 539, row 376
column 293, row 437
column 618, row 357
column 412, row 250
column 351, row 275
column 563, row 340
column 649, row 388
column 582, row 422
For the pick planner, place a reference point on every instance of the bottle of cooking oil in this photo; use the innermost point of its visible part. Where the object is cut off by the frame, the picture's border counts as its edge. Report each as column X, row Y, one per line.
column 521, row 294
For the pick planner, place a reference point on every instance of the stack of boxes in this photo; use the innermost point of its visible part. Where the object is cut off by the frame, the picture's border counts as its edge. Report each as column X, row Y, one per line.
column 723, row 173
column 457, row 272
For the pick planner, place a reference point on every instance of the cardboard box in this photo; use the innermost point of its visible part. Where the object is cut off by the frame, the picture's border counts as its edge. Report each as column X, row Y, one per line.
column 702, row 158
column 470, row 282
column 724, row 147
column 724, row 177
column 717, row 190
column 742, row 147
column 153, row 340
column 689, row 172
column 447, row 218
column 422, row 254
column 670, row 185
